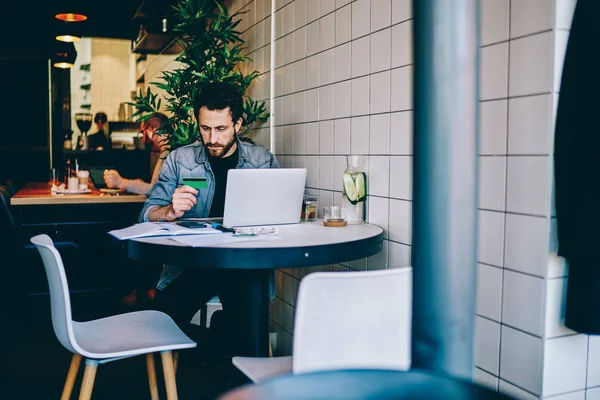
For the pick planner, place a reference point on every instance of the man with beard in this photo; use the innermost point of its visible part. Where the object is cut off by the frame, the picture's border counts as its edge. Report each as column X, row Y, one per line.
column 218, row 109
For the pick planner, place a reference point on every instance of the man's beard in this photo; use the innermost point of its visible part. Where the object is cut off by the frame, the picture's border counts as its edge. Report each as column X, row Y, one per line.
column 220, row 151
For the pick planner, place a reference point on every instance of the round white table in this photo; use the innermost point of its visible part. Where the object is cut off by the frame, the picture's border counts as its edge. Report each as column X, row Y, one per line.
column 300, row 245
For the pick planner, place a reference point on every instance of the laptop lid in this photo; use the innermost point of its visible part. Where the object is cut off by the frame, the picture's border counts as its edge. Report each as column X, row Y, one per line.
column 264, row 196
column 97, row 176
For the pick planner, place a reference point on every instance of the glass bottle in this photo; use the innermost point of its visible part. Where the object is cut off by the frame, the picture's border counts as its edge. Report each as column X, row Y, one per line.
column 354, row 184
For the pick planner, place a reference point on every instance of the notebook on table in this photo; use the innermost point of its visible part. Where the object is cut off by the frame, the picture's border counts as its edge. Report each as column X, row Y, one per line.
column 255, row 197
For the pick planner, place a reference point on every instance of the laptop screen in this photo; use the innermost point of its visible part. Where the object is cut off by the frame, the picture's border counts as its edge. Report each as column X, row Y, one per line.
column 97, row 176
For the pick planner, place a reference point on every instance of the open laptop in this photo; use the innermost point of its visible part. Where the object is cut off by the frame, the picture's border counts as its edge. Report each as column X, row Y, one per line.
column 256, row 197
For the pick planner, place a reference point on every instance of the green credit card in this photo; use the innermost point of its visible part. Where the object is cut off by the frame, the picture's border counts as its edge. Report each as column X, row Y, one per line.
column 196, row 183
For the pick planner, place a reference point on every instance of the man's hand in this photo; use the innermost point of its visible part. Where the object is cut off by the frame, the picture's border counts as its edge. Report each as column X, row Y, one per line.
column 114, row 180
column 184, row 198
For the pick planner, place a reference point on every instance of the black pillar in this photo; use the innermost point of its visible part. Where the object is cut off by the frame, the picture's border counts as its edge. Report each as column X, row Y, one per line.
column 446, row 77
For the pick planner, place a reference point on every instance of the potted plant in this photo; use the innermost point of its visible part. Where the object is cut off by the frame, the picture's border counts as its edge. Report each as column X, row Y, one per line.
column 212, row 49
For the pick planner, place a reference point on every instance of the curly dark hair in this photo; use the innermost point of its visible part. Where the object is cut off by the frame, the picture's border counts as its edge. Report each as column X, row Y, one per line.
column 219, row 96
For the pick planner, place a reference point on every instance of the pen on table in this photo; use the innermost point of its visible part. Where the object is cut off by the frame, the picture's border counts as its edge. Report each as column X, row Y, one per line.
column 222, row 228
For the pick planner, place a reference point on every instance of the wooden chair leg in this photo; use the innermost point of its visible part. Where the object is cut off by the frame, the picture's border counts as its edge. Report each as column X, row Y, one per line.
column 71, row 377
column 152, row 376
column 175, row 361
column 89, row 375
column 168, row 369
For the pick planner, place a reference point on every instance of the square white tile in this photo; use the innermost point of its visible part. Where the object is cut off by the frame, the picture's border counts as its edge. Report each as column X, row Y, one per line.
column 378, row 213
column 565, row 363
column 339, row 165
column 401, row 177
column 522, row 302
column 400, row 221
column 359, row 135
column 528, row 185
column 287, row 134
column 381, row 43
column 494, row 72
column 312, row 72
column 526, row 247
column 326, row 135
column 343, row 62
column 312, row 105
column 342, row 137
column 492, row 182
column 564, row 13
column 579, row 395
column 402, row 89
column 490, row 234
column 531, row 16
column 530, row 125
column 343, row 25
column 398, row 255
column 592, row 394
column 531, row 65
column 593, row 363
column 493, row 127
column 521, row 360
column 312, row 38
column 380, row 93
column 326, row 172
column 326, row 102
column 300, row 75
column 341, row 3
column 379, row 128
column 494, row 21
column 300, row 139
column 381, row 13
column 401, row 134
column 327, row 34
column 313, row 10
column 327, row 6
column 402, row 46
column 487, row 344
column 288, row 19
column 378, row 176
column 299, row 43
column 326, row 67
column 312, row 138
column 361, row 57
column 342, row 92
column 401, row 10
column 556, row 292
column 360, row 96
column 361, row 18
column 312, row 171
column 489, row 291
column 299, row 13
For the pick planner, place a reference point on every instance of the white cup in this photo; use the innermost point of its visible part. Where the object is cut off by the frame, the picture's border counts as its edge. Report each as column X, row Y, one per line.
column 73, row 184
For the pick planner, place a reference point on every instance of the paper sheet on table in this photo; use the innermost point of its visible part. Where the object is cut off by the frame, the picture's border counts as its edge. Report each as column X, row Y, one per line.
column 221, row 240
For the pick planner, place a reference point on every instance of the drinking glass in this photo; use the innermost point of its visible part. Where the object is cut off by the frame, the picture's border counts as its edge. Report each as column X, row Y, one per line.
column 332, row 214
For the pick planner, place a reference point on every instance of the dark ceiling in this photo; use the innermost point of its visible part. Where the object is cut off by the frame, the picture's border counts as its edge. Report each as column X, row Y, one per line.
column 28, row 29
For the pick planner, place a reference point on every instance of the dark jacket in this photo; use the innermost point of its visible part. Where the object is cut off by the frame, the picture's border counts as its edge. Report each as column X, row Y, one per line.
column 577, row 168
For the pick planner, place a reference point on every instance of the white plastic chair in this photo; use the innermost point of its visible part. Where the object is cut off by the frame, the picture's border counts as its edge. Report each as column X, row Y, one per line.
column 108, row 339
column 345, row 320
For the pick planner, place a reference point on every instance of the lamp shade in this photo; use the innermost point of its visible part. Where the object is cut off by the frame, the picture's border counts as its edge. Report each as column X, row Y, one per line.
column 68, row 31
column 64, row 54
column 70, row 11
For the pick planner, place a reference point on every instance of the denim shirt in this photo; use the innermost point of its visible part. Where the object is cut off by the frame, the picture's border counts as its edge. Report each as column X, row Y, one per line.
column 192, row 161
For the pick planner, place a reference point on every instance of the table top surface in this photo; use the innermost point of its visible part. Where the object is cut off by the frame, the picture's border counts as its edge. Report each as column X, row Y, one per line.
column 364, row 384
column 303, row 234
column 298, row 245
column 38, row 193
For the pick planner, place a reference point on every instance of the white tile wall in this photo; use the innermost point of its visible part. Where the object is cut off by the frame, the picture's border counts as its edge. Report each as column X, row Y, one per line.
column 565, row 360
column 522, row 302
column 521, row 360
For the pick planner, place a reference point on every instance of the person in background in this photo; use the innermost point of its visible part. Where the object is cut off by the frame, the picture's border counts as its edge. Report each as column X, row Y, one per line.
column 218, row 110
column 100, row 139
column 151, row 136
